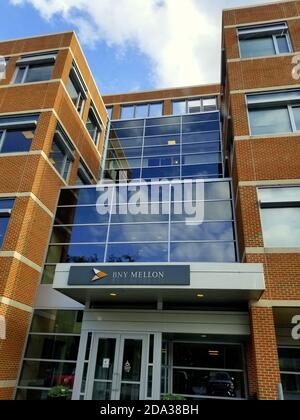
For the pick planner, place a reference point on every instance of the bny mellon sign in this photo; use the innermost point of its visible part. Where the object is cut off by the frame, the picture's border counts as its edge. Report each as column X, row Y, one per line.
column 173, row 275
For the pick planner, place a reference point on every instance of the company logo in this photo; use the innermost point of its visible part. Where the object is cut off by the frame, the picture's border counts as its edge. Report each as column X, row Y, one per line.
column 2, row 328
column 99, row 275
column 296, row 329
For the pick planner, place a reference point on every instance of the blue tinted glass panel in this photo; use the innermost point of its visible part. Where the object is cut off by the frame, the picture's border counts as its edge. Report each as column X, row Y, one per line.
column 39, row 73
column 126, row 124
column 213, row 116
column 125, row 164
column 162, row 140
column 130, row 253
column 136, row 233
column 162, row 130
column 76, row 254
column 125, row 142
column 203, row 126
column 201, row 137
column 162, row 172
column 81, row 215
column 128, row 132
column 217, row 191
column 17, row 141
column 130, row 152
column 3, row 227
column 6, row 204
column 223, row 231
column 79, row 234
column 201, row 148
column 201, row 159
column 203, row 252
column 201, row 170
column 163, row 121
column 163, row 150
column 161, row 161
column 212, row 211
column 179, row 107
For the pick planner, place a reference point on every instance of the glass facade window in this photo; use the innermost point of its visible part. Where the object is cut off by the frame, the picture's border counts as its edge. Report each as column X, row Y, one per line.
column 84, row 177
column 263, row 41
column 274, row 113
column 6, row 206
column 154, row 109
column 202, row 371
column 16, row 140
column 192, row 106
column 33, row 73
column 51, row 353
column 280, row 216
column 165, row 148
column 76, row 89
column 109, row 110
column 160, row 228
column 62, row 154
column 93, row 125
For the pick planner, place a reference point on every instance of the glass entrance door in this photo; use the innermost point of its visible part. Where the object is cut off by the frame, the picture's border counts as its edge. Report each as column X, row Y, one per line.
column 118, row 367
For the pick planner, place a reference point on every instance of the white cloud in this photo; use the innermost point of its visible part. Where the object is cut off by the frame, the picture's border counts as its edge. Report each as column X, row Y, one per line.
column 181, row 38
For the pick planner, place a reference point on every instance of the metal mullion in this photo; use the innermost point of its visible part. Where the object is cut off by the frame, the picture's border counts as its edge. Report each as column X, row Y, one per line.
column 143, row 146
column 55, row 334
column 109, row 223
column 209, row 369
column 181, row 147
column 169, row 232
column 292, row 118
column 27, row 359
column 275, row 44
column 2, row 139
column 25, row 74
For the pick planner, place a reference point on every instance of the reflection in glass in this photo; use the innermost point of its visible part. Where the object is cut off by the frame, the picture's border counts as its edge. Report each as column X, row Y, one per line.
column 203, row 252
column 130, row 253
column 269, row 121
column 281, row 227
column 105, row 359
column 135, row 233
column 132, row 360
column 76, row 254
column 102, row 391
column 201, row 232
column 56, row 321
column 52, row 347
column 47, row 374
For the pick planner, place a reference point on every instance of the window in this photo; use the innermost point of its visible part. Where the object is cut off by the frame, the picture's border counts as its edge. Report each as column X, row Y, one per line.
column 192, row 106
column 280, row 216
column 51, row 353
column 93, row 125
column 62, row 154
column 84, row 177
column 34, row 69
column 17, row 133
column 76, row 89
column 274, row 112
column 141, row 111
column 6, row 206
column 289, row 358
column 267, row 40
column 109, row 110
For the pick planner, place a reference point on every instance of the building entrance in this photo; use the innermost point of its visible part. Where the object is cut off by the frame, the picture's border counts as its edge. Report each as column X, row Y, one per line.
column 117, row 367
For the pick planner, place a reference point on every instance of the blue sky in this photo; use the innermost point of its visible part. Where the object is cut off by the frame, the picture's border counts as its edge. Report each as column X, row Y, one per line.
column 131, row 44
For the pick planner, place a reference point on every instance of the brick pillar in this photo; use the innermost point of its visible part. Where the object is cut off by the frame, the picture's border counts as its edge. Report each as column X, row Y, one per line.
column 265, row 353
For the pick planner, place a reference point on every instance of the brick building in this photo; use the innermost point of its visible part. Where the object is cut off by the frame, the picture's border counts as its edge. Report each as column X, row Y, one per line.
column 136, row 305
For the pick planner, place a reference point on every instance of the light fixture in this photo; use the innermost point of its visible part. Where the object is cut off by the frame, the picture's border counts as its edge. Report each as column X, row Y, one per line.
column 200, row 295
column 214, row 353
column 113, row 294
column 172, row 142
column 203, row 336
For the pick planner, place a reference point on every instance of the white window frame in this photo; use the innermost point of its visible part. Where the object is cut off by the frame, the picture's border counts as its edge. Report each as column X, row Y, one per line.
column 287, row 104
column 17, row 125
column 136, row 105
column 272, row 30
column 275, row 205
column 79, row 85
column 98, row 130
column 29, row 61
column 187, row 100
column 65, row 145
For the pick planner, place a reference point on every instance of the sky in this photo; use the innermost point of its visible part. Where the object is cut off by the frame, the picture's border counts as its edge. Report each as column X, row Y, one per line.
column 132, row 45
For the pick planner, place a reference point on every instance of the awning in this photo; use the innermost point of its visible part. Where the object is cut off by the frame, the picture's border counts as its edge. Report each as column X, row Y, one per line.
column 203, row 284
